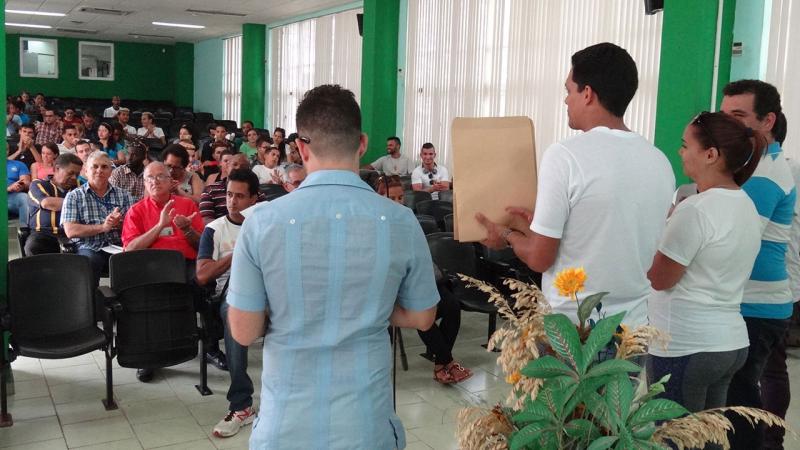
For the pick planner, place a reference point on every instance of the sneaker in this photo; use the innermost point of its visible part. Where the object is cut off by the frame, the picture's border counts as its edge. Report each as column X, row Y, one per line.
column 232, row 422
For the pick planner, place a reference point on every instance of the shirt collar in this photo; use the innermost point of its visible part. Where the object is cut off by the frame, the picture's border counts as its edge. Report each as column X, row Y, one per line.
column 334, row 177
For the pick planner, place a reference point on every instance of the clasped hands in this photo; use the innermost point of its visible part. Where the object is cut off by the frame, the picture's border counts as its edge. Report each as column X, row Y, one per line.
column 113, row 220
column 496, row 233
column 170, row 216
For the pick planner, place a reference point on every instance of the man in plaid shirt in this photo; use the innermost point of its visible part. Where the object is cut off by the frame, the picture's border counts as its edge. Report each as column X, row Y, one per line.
column 93, row 213
column 49, row 130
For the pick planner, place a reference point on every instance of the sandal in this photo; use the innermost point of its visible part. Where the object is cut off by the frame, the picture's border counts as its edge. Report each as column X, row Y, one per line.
column 443, row 376
column 458, row 372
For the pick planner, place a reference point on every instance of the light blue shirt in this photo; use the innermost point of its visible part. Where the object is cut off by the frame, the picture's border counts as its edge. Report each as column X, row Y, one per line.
column 329, row 262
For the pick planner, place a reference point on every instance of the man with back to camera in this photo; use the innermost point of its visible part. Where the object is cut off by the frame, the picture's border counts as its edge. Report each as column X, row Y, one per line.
column 393, row 162
column 429, row 176
column 330, row 266
column 602, row 197
column 763, row 381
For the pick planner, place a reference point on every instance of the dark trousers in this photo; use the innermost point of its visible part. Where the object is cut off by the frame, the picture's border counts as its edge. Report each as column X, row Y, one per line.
column 240, row 393
column 441, row 338
column 98, row 260
column 39, row 243
column 775, row 392
column 744, row 390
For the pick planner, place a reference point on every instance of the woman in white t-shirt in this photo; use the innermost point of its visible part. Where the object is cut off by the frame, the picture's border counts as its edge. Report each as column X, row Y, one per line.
column 703, row 262
column 270, row 172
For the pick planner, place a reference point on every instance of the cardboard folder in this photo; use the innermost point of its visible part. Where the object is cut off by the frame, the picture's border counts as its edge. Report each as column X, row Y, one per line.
column 494, row 166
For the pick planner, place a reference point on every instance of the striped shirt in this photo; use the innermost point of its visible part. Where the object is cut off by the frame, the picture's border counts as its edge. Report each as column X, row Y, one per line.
column 772, row 189
column 84, row 206
column 41, row 219
column 212, row 200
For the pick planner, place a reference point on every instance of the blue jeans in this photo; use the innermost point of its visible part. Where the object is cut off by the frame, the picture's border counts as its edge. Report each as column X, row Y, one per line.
column 18, row 205
column 240, row 393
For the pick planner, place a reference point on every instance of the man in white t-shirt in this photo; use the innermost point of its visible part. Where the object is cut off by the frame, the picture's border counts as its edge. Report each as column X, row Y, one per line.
column 214, row 257
column 602, row 197
column 149, row 130
column 69, row 139
column 112, row 110
column 123, row 115
column 392, row 163
column 429, row 176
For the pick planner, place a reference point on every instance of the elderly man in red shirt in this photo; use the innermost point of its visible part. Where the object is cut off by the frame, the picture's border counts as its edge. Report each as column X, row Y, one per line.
column 162, row 220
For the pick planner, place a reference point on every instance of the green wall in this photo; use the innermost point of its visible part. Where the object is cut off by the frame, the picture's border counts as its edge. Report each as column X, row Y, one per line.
column 184, row 74
column 686, row 69
column 141, row 72
column 254, row 72
column 379, row 74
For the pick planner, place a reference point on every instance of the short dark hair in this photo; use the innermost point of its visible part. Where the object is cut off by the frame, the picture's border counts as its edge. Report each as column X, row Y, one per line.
column 227, row 151
column 52, row 146
column 20, row 105
column 68, row 126
column 246, row 176
column 766, row 99
column 740, row 146
column 89, row 113
column 28, row 125
column 64, row 160
column 248, row 121
column 176, row 150
column 428, row 145
column 610, row 71
column 330, row 117
column 394, row 138
column 283, row 132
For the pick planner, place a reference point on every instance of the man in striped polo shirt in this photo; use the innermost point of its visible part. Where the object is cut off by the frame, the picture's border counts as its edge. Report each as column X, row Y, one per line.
column 46, row 198
column 767, row 302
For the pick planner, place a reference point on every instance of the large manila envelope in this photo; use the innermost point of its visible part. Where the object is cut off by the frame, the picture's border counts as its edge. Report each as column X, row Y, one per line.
column 494, row 166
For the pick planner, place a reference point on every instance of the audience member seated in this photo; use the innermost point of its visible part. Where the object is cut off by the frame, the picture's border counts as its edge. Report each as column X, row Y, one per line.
column 83, row 149
column 214, row 264
column 27, row 102
column 194, row 157
column 262, row 148
column 89, row 126
column 44, row 168
column 24, row 118
column 217, row 137
column 112, row 110
column 39, row 104
column 13, row 120
column 293, row 157
column 212, row 202
column 211, row 169
column 270, row 172
column 49, row 130
column 149, row 130
column 107, row 144
column 70, row 118
column 429, row 176
column 184, row 183
column 93, row 213
column 162, row 220
column 46, row 201
column 69, row 139
column 250, row 146
column 247, row 125
column 26, row 151
column 225, row 158
column 295, row 175
column 279, row 139
column 130, row 176
column 392, row 163
column 18, row 179
column 123, row 116
column 185, row 132
column 391, row 186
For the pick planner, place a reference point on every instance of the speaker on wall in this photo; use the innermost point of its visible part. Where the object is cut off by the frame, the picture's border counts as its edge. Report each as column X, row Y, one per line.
column 653, row 6
column 360, row 19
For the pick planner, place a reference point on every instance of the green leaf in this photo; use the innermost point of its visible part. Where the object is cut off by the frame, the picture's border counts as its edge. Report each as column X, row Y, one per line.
column 657, row 409
column 586, row 387
column 599, row 337
column 582, row 429
column 547, row 366
column 564, row 339
column 619, row 396
column 602, row 443
column 598, row 408
column 530, row 434
column 645, row 432
column 588, row 304
column 654, row 390
column 534, row 412
column 613, row 367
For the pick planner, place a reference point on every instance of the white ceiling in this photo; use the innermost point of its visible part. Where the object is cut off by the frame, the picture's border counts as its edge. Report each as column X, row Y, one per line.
column 119, row 28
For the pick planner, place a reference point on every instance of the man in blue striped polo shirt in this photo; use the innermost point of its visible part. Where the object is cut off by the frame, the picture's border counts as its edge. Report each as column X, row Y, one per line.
column 767, row 302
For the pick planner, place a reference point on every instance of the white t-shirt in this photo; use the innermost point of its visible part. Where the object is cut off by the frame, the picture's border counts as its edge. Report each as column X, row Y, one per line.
column 64, row 149
column 110, row 112
column 393, row 166
column 157, row 131
column 605, row 194
column 418, row 176
column 793, row 249
column 130, row 130
column 716, row 235
column 265, row 174
column 218, row 240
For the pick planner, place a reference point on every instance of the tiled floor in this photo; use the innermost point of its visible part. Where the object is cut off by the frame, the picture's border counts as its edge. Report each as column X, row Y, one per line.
column 57, row 402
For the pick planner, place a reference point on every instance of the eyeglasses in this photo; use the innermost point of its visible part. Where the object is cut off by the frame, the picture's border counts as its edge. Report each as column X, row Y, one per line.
column 157, row 178
column 305, row 139
column 173, row 168
column 296, row 183
column 699, row 122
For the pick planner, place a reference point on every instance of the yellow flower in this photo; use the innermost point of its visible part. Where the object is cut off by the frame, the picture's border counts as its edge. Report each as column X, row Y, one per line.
column 513, row 378
column 570, row 281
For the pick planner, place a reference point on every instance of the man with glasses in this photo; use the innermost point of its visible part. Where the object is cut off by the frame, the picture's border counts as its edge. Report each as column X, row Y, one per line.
column 295, row 174
column 49, row 130
column 92, row 213
column 130, row 176
column 429, row 176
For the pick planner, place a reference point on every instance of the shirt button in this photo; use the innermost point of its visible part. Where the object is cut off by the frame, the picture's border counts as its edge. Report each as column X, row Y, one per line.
column 291, row 221
column 383, row 217
column 338, row 215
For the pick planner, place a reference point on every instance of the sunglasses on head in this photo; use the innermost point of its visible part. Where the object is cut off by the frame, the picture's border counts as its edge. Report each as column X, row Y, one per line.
column 698, row 120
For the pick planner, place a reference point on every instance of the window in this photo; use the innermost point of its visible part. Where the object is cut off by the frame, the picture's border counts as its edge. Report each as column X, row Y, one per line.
column 232, row 79
column 38, row 57
column 96, row 61
column 309, row 53
column 478, row 58
column 783, row 64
